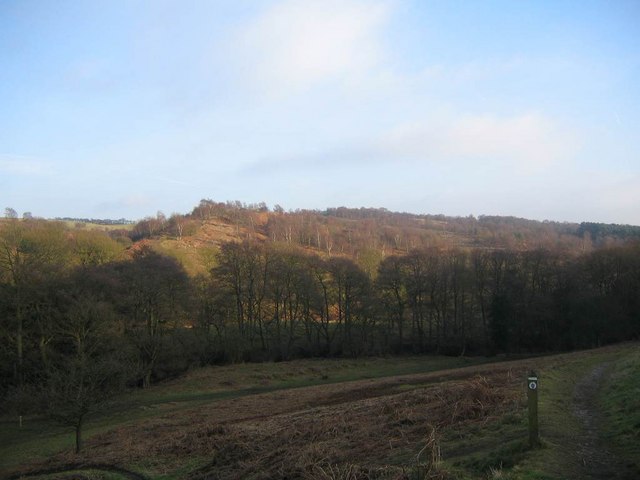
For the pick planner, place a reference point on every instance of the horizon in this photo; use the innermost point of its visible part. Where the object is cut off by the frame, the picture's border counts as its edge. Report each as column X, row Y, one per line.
column 270, row 209
column 121, row 109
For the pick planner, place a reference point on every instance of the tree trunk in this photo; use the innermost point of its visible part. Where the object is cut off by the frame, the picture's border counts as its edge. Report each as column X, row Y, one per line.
column 19, row 345
column 146, row 380
column 79, row 435
column 43, row 352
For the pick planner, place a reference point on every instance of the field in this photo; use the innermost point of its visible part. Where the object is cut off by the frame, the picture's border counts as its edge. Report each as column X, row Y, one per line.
column 393, row 418
column 97, row 226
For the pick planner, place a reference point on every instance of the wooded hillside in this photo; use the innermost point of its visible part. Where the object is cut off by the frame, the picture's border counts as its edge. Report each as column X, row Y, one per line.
column 366, row 235
column 87, row 312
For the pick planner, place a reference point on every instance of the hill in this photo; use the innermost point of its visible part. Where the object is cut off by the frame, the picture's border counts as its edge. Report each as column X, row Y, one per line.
column 278, row 285
column 366, row 235
column 90, row 314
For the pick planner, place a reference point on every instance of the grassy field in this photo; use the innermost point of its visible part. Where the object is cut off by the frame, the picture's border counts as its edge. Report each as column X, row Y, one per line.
column 71, row 224
column 619, row 401
column 568, row 449
column 40, row 438
column 421, row 417
column 98, row 226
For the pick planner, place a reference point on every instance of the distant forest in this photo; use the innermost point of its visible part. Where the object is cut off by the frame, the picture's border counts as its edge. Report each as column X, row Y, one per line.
column 97, row 221
column 88, row 312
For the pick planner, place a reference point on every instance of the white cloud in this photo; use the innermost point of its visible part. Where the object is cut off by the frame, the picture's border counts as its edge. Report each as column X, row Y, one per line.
column 529, row 141
column 299, row 43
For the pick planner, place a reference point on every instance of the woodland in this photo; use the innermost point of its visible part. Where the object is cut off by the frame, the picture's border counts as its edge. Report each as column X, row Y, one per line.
column 88, row 313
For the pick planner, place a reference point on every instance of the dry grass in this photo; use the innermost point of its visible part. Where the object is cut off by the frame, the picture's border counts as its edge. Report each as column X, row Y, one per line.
column 387, row 428
column 367, row 430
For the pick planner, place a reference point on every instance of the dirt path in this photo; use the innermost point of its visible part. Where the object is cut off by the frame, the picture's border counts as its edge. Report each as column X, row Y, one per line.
column 596, row 460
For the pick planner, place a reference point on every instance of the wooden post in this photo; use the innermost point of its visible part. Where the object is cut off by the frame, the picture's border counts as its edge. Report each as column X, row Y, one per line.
column 532, row 397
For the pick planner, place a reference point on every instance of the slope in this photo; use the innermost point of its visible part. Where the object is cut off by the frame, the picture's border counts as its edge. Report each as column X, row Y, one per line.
column 463, row 423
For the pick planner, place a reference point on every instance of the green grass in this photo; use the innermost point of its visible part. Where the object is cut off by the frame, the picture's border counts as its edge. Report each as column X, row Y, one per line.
column 505, row 455
column 558, row 424
column 620, row 403
column 475, row 450
column 500, row 449
column 214, row 383
column 98, row 226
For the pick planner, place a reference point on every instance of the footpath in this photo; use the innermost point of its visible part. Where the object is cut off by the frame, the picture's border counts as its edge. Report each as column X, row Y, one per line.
column 595, row 458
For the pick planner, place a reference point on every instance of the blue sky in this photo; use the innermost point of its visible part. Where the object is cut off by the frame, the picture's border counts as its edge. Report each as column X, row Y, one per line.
column 123, row 108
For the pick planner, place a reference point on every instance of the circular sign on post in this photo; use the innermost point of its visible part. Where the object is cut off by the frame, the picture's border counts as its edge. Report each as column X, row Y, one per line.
column 532, row 400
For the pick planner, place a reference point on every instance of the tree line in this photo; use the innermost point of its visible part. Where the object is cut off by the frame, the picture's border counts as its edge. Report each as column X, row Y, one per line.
column 273, row 302
column 84, row 316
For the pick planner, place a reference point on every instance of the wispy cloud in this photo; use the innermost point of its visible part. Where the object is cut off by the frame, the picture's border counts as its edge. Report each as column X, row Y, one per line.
column 24, row 165
column 523, row 143
column 297, row 44
column 128, row 202
column 528, row 141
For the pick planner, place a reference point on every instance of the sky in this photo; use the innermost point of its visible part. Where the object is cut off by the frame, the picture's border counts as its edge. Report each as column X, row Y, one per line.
column 122, row 108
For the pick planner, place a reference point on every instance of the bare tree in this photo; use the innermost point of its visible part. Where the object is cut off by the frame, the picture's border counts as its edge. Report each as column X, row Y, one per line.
column 10, row 213
column 91, row 367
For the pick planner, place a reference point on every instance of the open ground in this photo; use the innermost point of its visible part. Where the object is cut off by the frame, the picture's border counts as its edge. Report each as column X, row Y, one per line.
column 412, row 417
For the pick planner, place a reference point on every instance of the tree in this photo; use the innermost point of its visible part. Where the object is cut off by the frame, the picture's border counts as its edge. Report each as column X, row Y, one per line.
column 502, row 310
column 176, row 224
column 30, row 254
column 391, row 287
column 481, row 289
column 153, row 295
column 91, row 247
column 90, row 366
column 242, row 273
column 351, row 289
column 10, row 213
column 285, row 275
column 326, row 327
